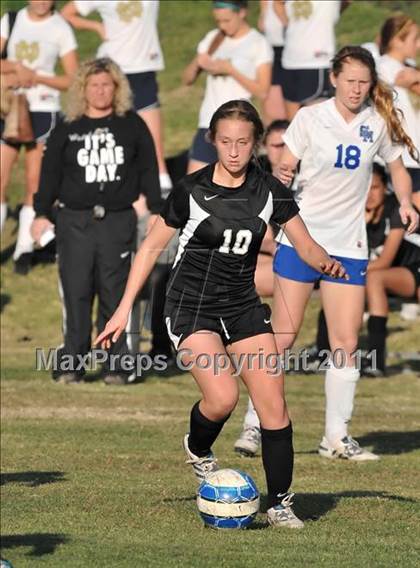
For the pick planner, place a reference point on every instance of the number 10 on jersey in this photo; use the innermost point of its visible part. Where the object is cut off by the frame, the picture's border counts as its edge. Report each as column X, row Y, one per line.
column 348, row 157
column 242, row 241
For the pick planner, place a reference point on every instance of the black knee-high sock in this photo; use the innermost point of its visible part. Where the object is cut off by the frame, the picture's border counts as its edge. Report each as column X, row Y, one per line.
column 277, row 456
column 203, row 432
column 322, row 341
column 377, row 339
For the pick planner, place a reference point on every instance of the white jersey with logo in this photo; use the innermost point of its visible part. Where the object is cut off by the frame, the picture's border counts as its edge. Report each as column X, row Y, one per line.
column 38, row 44
column 408, row 102
column 273, row 26
column 246, row 54
column 310, row 35
column 335, row 173
column 131, row 32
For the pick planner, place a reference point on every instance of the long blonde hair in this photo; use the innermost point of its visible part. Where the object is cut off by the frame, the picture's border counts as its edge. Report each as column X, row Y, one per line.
column 381, row 95
column 77, row 103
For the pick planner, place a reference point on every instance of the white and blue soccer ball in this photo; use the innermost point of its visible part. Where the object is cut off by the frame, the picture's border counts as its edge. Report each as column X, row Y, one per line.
column 228, row 499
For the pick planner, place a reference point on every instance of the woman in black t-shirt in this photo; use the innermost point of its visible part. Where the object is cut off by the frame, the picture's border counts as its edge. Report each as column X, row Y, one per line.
column 96, row 164
column 394, row 265
column 212, row 309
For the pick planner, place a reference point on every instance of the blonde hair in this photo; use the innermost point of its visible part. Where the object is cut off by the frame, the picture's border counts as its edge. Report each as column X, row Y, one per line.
column 381, row 95
column 77, row 104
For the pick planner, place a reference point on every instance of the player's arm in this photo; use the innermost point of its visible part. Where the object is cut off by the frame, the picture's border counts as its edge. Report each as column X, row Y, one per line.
column 69, row 63
column 287, row 167
column 144, row 261
column 280, row 10
column 71, row 14
column 401, row 183
column 191, row 71
column 389, row 251
column 310, row 251
column 258, row 87
column 407, row 78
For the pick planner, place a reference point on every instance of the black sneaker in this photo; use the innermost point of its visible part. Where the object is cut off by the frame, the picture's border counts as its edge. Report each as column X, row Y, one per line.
column 24, row 263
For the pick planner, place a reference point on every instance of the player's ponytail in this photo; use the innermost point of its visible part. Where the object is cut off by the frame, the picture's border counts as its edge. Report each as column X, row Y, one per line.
column 383, row 99
column 381, row 95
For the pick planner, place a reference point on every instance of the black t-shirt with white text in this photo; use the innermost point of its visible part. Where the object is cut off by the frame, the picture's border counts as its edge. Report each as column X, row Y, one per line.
column 105, row 161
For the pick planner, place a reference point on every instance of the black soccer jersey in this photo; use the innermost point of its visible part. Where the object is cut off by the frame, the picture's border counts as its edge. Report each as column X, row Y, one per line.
column 222, row 230
column 377, row 233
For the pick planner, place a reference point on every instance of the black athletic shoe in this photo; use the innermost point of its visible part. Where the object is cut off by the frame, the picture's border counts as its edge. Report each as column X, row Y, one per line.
column 24, row 263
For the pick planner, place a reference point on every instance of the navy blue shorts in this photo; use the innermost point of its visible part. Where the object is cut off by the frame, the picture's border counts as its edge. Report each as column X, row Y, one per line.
column 288, row 264
column 42, row 125
column 145, row 90
column 305, row 85
column 277, row 74
column 201, row 150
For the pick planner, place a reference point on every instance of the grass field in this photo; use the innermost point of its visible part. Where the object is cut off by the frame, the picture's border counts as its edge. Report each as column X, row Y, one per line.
column 94, row 476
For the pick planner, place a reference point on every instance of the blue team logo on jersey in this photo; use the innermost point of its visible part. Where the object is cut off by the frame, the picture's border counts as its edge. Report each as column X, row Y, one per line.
column 366, row 134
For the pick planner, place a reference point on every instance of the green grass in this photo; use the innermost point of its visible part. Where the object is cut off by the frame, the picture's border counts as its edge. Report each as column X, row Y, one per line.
column 94, row 476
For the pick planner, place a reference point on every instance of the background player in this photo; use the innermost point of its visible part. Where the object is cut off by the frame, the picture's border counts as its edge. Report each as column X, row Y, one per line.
column 336, row 142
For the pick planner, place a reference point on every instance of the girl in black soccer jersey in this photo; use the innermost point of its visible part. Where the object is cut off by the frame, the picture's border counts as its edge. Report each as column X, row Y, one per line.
column 212, row 306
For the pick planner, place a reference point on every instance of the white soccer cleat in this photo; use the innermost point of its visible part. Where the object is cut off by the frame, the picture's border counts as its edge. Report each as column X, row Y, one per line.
column 347, row 449
column 202, row 466
column 282, row 515
column 248, row 442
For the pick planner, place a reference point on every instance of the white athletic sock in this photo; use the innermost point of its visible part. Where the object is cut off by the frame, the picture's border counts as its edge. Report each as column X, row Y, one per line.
column 340, row 388
column 165, row 184
column 24, row 242
column 251, row 418
column 3, row 214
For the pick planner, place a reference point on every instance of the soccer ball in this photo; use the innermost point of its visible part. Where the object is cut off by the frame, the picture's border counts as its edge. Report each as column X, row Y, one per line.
column 228, row 499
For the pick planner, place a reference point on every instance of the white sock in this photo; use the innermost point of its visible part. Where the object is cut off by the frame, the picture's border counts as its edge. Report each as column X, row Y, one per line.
column 340, row 388
column 25, row 242
column 251, row 418
column 3, row 214
column 165, row 184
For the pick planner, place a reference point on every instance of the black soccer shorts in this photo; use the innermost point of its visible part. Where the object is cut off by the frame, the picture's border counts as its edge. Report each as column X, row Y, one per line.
column 253, row 320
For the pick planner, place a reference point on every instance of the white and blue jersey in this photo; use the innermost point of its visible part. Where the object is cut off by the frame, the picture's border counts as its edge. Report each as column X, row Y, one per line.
column 335, row 173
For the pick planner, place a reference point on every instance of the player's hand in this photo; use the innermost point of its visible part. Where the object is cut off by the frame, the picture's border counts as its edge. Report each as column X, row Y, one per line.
column 25, row 76
column 204, row 61
column 39, row 226
column 113, row 329
column 220, row 67
column 284, row 173
column 334, row 268
column 410, row 217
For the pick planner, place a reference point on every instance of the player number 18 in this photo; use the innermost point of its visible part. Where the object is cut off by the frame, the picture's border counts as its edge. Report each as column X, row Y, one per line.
column 351, row 155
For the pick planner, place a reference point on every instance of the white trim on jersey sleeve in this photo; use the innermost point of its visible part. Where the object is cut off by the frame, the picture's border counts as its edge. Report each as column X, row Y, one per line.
column 197, row 216
column 296, row 136
column 267, row 210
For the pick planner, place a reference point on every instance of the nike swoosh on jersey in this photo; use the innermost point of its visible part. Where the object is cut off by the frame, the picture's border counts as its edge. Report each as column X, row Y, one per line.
column 267, row 321
column 124, row 254
column 208, row 198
